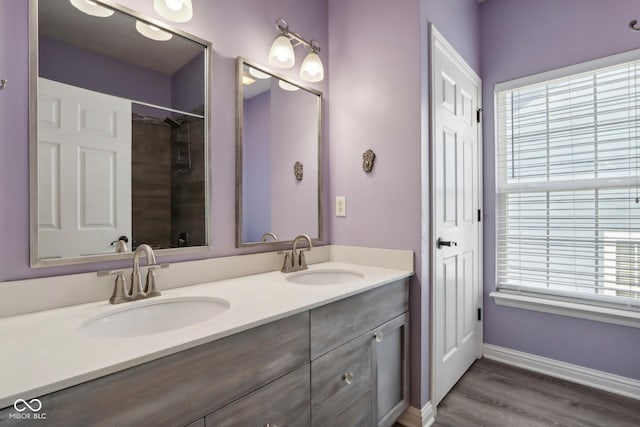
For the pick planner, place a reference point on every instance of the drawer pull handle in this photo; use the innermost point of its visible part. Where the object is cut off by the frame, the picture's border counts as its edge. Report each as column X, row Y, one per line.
column 347, row 377
column 270, row 425
column 378, row 336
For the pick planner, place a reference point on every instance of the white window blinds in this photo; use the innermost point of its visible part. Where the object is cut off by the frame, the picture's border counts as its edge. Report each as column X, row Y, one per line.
column 567, row 186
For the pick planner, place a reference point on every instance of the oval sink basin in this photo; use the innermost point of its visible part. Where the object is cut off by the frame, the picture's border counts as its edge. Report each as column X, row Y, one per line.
column 151, row 317
column 325, row 277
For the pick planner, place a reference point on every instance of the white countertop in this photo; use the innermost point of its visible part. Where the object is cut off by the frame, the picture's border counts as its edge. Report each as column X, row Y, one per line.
column 43, row 352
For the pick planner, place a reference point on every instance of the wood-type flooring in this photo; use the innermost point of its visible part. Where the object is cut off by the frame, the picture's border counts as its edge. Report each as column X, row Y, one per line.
column 493, row 394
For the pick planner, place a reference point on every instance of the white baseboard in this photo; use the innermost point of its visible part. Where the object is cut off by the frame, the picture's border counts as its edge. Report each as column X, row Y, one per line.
column 567, row 371
column 414, row 417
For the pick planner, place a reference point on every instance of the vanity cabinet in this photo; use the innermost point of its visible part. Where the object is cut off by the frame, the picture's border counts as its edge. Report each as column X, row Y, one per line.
column 341, row 364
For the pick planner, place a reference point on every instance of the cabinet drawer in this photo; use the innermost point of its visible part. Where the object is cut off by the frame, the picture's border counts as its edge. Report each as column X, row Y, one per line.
column 339, row 379
column 335, row 324
column 285, row 402
column 357, row 415
column 176, row 389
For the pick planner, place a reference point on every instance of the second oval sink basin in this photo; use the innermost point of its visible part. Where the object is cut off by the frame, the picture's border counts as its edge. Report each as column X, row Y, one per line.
column 153, row 317
column 325, row 277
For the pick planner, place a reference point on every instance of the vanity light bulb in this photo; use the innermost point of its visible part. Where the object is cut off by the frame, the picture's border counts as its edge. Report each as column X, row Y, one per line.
column 312, row 69
column 174, row 5
column 174, row 10
column 281, row 53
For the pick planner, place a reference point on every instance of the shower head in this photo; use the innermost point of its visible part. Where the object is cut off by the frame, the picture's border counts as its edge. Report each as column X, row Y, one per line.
column 172, row 123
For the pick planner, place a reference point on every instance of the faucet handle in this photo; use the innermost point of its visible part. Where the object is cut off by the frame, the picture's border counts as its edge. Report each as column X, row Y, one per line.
column 287, row 265
column 302, row 264
column 120, row 291
column 150, row 289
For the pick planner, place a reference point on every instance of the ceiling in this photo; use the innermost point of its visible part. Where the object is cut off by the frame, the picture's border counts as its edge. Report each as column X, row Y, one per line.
column 114, row 36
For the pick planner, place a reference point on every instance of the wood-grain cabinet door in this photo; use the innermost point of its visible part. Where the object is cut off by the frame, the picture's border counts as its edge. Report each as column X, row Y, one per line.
column 283, row 403
column 390, row 359
column 341, row 385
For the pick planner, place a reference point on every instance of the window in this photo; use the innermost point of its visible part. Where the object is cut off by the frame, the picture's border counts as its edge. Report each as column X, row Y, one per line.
column 568, row 175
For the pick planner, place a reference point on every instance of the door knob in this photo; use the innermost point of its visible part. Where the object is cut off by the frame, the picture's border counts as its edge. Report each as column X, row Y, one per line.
column 450, row 243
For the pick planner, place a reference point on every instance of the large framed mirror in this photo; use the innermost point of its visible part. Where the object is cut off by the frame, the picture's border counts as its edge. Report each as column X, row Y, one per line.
column 119, row 134
column 278, row 158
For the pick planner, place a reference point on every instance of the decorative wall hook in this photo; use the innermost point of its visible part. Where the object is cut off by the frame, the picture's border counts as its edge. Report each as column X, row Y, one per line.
column 3, row 83
column 632, row 25
column 367, row 160
column 297, row 170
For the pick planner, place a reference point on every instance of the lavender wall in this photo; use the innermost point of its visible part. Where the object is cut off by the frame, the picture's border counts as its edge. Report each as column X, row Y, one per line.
column 520, row 38
column 79, row 67
column 256, row 168
column 237, row 28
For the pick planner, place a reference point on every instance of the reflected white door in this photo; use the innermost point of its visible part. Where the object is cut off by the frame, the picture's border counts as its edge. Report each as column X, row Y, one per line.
column 84, row 170
column 456, row 238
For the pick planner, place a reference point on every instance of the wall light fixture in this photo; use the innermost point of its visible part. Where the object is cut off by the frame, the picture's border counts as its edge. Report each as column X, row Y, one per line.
column 174, row 10
column 282, row 55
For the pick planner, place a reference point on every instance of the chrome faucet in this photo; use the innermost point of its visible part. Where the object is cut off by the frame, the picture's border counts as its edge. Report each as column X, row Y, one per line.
column 294, row 261
column 121, row 293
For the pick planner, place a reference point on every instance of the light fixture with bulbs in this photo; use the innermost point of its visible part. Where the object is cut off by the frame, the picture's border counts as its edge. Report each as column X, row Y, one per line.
column 281, row 54
column 152, row 32
column 174, row 10
column 92, row 8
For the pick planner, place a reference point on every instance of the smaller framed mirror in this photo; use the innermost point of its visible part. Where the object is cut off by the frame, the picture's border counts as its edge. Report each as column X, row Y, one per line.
column 278, row 158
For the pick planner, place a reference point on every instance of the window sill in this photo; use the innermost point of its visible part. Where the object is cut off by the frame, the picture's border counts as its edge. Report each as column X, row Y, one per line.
column 615, row 316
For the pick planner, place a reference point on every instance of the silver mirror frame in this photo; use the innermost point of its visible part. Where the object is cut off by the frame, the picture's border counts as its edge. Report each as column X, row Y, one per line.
column 279, row 244
column 35, row 261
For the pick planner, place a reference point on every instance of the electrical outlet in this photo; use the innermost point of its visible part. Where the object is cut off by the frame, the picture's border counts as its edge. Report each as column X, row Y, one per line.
column 341, row 206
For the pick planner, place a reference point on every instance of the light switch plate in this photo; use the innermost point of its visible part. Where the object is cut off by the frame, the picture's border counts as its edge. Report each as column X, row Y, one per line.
column 341, row 206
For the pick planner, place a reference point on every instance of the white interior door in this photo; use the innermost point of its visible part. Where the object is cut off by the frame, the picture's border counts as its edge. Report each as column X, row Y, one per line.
column 84, row 170
column 456, row 237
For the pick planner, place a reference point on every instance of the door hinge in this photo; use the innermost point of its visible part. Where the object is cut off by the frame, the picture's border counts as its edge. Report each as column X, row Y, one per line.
column 479, row 114
column 479, row 314
column 479, row 215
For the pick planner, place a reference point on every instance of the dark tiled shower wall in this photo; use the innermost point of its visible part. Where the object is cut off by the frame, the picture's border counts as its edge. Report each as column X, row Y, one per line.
column 167, row 197
column 188, row 189
column 151, row 183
